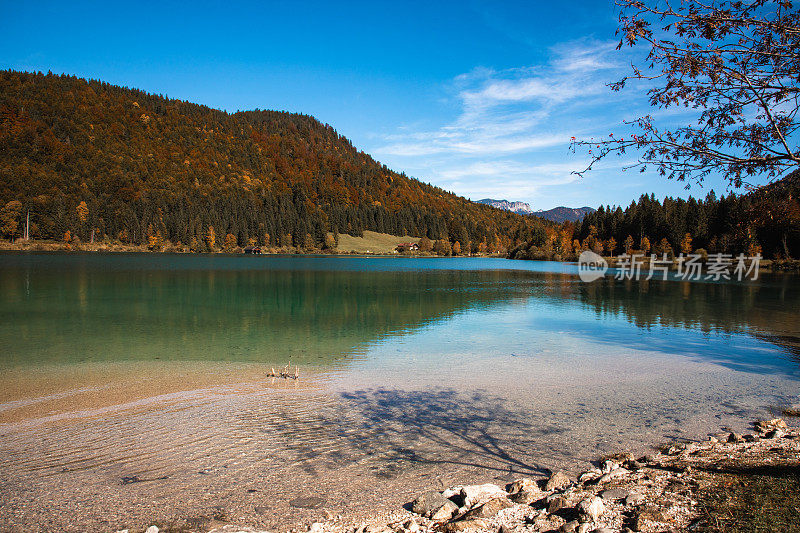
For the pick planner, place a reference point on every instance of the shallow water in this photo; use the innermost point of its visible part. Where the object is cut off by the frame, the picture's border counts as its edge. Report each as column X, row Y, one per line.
column 133, row 388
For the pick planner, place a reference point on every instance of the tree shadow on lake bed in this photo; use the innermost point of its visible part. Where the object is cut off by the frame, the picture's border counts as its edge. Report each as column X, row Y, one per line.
column 445, row 427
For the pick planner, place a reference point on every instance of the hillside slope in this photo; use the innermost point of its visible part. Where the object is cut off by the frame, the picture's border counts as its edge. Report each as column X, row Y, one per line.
column 90, row 158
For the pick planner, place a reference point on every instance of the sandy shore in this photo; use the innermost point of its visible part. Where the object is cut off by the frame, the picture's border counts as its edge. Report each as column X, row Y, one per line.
column 663, row 491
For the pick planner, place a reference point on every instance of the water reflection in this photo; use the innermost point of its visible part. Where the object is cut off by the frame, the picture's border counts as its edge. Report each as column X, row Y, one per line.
column 688, row 315
column 88, row 312
column 62, row 308
column 771, row 305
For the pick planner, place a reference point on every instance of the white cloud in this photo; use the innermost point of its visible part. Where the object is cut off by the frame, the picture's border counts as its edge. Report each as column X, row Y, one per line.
column 510, row 110
column 511, row 134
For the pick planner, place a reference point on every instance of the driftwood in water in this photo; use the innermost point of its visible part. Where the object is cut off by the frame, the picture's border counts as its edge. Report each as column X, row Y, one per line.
column 285, row 372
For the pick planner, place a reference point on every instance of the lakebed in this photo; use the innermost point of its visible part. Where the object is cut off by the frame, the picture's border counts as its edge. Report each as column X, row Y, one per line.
column 135, row 388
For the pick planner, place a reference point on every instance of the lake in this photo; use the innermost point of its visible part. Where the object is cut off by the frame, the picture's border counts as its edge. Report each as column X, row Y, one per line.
column 134, row 387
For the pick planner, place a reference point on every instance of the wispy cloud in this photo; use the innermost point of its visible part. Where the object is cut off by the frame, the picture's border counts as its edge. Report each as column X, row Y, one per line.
column 510, row 110
column 507, row 178
column 513, row 127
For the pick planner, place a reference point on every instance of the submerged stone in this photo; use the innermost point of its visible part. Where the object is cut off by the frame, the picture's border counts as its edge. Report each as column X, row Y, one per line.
column 308, row 502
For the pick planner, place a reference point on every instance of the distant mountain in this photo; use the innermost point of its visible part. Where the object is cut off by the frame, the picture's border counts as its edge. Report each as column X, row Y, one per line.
column 562, row 214
column 515, row 207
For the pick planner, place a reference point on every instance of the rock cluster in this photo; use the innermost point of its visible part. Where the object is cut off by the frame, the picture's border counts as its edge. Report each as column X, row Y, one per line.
column 621, row 494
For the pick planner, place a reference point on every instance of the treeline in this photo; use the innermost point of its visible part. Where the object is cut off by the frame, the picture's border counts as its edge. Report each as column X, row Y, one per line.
column 765, row 221
column 86, row 160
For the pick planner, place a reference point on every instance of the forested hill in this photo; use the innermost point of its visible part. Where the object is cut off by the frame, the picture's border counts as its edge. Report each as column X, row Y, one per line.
column 86, row 157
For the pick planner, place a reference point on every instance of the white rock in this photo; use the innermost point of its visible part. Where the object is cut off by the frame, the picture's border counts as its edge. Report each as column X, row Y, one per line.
column 589, row 475
column 614, row 474
column 316, row 527
column 608, row 466
column 675, row 449
column 524, row 484
column 445, row 512
column 634, row 498
column 558, row 481
column 591, row 508
column 475, row 495
column 452, row 491
column 151, row 529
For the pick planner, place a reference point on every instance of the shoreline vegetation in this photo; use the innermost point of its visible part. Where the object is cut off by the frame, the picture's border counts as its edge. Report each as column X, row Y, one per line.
column 726, row 482
column 373, row 244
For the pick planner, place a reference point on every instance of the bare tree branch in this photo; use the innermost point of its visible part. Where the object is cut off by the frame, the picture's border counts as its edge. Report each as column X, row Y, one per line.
column 737, row 63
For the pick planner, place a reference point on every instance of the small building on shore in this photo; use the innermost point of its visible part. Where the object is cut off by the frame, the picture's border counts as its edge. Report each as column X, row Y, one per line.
column 407, row 247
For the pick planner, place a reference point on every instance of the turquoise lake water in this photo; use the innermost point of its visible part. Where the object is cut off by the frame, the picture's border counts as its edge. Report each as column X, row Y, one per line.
column 412, row 370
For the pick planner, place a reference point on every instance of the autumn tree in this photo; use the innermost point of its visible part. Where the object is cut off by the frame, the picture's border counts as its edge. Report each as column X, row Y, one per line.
column 9, row 218
column 82, row 212
column 456, row 248
column 230, row 241
column 664, row 248
column 611, row 245
column 308, row 242
column 628, row 245
column 736, row 64
column 425, row 244
column 211, row 238
column 686, row 244
column 154, row 237
column 442, row 247
column 644, row 244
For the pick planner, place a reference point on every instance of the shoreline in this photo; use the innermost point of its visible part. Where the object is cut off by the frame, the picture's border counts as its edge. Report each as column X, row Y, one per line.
column 674, row 489
column 766, row 265
column 104, row 247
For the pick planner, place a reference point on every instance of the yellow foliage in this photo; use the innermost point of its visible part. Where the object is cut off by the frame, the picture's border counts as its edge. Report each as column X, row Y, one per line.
column 83, row 212
column 211, row 237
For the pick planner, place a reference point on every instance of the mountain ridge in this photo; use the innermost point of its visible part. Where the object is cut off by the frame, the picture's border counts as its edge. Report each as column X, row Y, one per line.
column 86, row 157
column 563, row 214
column 522, row 208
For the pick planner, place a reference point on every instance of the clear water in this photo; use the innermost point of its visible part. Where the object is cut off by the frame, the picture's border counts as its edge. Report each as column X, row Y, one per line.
column 414, row 372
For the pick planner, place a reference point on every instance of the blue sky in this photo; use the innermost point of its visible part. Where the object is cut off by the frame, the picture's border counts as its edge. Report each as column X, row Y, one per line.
column 479, row 98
